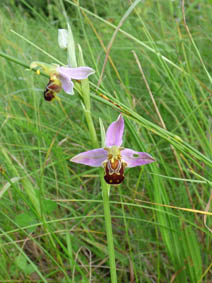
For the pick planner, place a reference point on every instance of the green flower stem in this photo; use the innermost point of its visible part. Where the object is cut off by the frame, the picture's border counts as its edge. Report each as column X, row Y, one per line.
column 105, row 187
column 12, row 59
column 84, row 91
column 108, row 225
column 87, row 111
column 91, row 128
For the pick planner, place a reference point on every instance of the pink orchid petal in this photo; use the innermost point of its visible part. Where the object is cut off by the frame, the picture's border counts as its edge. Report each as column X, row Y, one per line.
column 79, row 73
column 134, row 158
column 67, row 85
column 115, row 132
column 92, row 158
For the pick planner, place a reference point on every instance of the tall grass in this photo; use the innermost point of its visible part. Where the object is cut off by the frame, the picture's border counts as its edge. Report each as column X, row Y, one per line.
column 52, row 218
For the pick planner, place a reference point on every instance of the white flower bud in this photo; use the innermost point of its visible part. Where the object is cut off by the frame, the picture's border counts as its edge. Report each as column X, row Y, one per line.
column 63, row 38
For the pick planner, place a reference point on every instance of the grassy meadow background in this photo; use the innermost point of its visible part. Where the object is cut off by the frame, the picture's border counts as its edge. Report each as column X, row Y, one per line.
column 51, row 213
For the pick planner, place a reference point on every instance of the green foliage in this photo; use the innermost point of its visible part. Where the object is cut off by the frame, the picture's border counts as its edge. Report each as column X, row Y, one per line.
column 21, row 263
column 52, row 218
column 26, row 219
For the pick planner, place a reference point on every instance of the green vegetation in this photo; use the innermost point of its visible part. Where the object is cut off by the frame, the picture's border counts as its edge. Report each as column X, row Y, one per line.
column 52, row 225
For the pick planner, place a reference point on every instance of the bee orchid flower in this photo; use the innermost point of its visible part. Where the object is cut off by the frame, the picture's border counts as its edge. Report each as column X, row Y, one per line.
column 60, row 77
column 113, row 158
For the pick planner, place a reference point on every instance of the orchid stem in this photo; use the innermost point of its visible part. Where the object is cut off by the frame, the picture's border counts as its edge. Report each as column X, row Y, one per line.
column 88, row 116
column 105, row 194
column 84, row 91
column 91, row 128
column 108, row 225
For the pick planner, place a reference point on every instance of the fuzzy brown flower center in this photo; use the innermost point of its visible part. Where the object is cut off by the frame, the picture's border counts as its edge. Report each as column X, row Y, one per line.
column 53, row 87
column 114, row 166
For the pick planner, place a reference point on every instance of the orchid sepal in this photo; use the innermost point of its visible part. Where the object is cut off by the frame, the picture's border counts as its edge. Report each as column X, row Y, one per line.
column 115, row 132
column 48, row 69
column 93, row 158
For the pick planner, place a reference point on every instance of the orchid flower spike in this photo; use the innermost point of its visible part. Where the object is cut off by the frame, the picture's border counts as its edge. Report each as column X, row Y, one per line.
column 113, row 158
column 60, row 77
